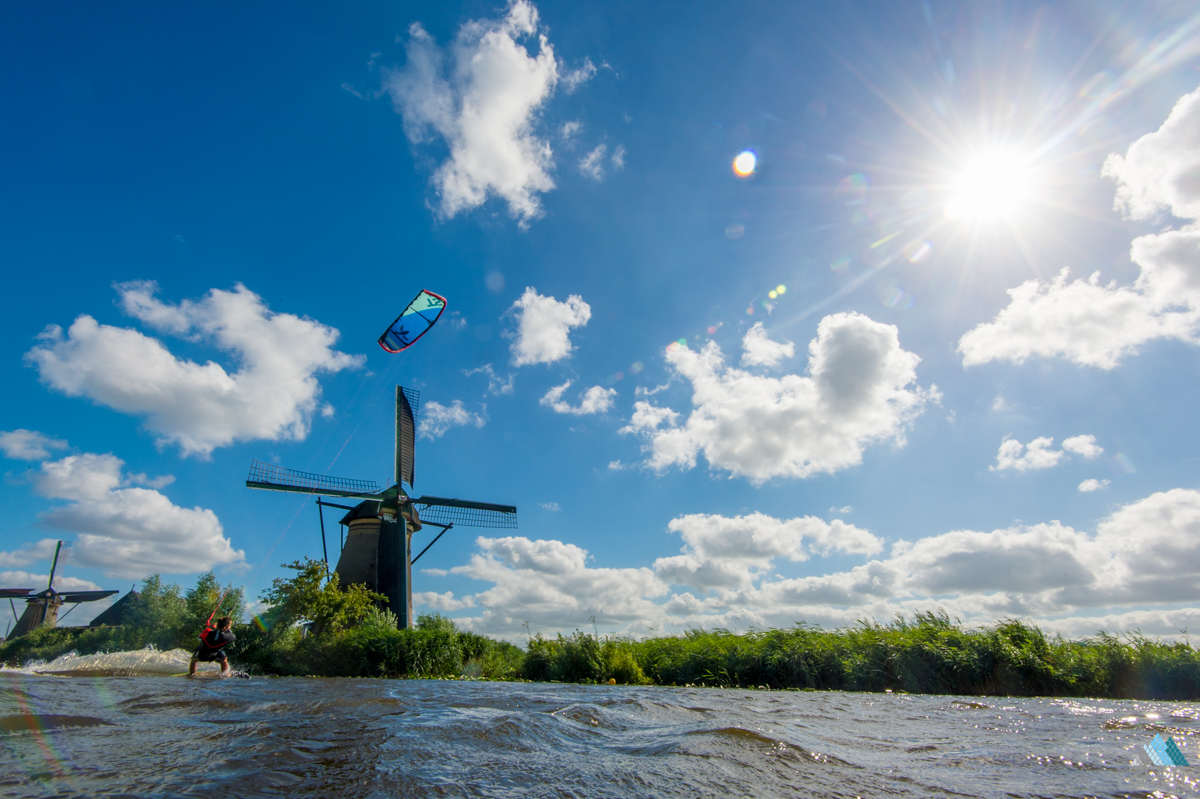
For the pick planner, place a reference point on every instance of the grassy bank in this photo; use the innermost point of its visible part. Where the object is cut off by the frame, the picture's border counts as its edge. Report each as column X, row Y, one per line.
column 317, row 628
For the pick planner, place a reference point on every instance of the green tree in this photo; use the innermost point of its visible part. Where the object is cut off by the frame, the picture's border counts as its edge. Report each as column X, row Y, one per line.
column 157, row 616
column 311, row 597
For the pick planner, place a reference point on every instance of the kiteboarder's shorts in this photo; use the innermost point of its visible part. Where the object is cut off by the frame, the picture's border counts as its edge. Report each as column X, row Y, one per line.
column 206, row 655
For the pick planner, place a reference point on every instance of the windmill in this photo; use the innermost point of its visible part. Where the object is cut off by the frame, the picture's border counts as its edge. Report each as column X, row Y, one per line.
column 41, row 609
column 377, row 551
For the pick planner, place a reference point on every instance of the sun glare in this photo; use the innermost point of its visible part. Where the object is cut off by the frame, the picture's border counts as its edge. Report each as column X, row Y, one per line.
column 745, row 163
column 993, row 185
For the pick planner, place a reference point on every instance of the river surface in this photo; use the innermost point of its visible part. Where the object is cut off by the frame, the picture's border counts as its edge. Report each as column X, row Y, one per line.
column 159, row 736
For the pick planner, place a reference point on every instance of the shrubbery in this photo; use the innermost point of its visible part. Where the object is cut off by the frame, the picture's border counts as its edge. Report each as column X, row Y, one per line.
column 316, row 627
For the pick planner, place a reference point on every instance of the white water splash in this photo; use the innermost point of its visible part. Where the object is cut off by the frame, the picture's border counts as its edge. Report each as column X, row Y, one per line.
column 148, row 662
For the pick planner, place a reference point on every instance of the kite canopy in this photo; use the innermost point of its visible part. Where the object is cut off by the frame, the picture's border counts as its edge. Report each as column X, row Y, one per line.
column 413, row 322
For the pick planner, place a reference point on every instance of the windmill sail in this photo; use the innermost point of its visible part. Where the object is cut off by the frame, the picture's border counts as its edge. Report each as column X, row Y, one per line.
column 413, row 322
column 276, row 478
column 407, row 404
column 465, row 513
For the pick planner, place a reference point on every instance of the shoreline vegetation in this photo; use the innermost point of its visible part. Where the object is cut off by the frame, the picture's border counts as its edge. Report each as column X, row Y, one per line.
column 316, row 628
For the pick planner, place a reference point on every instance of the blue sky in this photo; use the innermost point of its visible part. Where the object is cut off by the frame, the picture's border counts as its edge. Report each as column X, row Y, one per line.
column 208, row 220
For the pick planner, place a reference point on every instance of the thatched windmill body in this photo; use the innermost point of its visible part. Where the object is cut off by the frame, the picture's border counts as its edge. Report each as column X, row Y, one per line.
column 378, row 548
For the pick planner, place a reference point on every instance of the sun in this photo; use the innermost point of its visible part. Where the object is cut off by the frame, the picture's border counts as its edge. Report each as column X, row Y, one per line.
column 996, row 184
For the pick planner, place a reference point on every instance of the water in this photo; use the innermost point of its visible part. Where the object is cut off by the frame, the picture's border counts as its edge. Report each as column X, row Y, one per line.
column 159, row 736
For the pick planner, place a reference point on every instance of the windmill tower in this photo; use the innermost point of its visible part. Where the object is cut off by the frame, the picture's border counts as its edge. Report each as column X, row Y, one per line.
column 378, row 548
column 41, row 609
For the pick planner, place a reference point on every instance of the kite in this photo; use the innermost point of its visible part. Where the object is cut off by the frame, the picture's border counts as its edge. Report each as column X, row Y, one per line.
column 414, row 322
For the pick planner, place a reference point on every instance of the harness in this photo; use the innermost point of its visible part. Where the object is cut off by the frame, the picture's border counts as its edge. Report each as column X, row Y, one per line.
column 208, row 629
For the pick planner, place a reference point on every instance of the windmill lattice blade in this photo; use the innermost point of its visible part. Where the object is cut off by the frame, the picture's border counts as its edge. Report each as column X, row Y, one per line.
column 276, row 478
column 14, row 593
column 85, row 596
column 408, row 402
column 465, row 513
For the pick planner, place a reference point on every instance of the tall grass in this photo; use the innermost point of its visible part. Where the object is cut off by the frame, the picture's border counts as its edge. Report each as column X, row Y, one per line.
column 928, row 653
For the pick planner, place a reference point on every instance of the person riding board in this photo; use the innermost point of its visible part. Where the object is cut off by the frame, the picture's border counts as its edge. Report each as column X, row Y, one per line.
column 212, row 644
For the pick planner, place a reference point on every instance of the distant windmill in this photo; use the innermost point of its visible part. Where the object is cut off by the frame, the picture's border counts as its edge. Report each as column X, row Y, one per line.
column 376, row 553
column 41, row 609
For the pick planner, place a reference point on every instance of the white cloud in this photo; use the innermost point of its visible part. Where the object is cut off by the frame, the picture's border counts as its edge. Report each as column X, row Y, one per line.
column 1097, row 324
column 595, row 400
column 23, row 579
column 481, row 96
column 1084, row 446
column 29, row 553
column 436, row 418
column 127, row 531
column 573, row 79
column 550, row 506
column 618, row 158
column 1141, row 562
column 1039, row 455
column 544, row 325
column 272, row 394
column 759, row 350
column 723, row 552
column 844, row 509
column 1160, row 170
column 570, row 130
column 28, row 445
column 791, row 426
column 444, row 601
column 1092, row 484
column 496, row 386
column 1000, row 404
column 592, row 164
column 549, row 585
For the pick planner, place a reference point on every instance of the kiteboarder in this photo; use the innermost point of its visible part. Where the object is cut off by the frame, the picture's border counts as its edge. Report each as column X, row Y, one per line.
column 212, row 645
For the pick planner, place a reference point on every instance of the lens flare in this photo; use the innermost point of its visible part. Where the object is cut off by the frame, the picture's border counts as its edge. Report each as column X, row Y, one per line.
column 772, row 293
column 745, row 164
column 917, row 251
column 780, row 289
column 735, row 231
column 637, row 367
column 840, row 264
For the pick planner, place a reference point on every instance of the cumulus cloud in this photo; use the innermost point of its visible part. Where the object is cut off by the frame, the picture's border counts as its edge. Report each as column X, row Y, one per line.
column 857, row 394
column 544, row 326
column 271, row 395
column 496, row 386
column 595, row 400
column 436, row 418
column 481, row 97
column 550, row 506
column 1092, row 484
column 444, row 601
column 28, row 445
column 1141, row 562
column 29, row 553
column 24, row 579
column 1097, row 324
column 723, row 552
column 759, row 350
column 549, row 585
column 1039, row 455
column 1084, row 446
column 125, row 530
